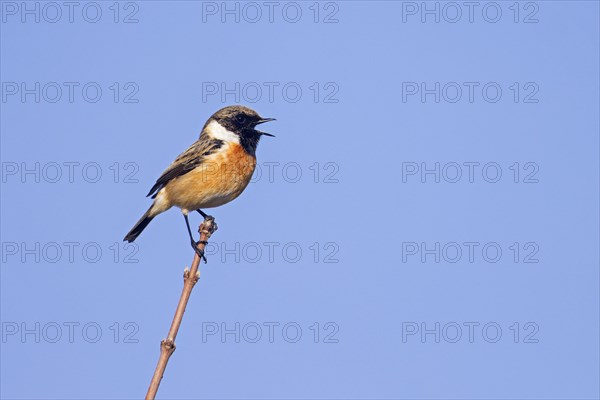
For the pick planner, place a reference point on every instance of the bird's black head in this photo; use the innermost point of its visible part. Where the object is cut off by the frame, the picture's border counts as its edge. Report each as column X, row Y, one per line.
column 241, row 121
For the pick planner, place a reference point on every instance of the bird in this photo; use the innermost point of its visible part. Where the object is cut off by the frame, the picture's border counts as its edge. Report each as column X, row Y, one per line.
column 213, row 171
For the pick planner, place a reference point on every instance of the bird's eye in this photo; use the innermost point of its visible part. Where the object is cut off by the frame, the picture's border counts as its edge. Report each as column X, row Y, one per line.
column 240, row 119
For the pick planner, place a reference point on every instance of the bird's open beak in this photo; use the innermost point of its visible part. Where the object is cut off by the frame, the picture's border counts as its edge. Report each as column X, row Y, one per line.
column 262, row 121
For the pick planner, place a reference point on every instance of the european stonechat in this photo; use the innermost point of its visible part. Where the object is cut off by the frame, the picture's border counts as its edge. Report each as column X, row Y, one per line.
column 211, row 172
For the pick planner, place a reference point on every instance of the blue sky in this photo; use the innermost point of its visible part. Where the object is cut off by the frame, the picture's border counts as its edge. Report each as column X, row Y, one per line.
column 423, row 225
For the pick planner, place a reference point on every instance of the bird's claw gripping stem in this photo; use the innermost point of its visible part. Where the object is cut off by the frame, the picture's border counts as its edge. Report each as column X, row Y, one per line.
column 198, row 251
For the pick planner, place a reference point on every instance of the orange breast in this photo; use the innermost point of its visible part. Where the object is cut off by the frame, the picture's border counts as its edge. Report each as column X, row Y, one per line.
column 220, row 178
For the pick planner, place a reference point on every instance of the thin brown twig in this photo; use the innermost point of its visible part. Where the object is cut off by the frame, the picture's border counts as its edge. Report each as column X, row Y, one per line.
column 190, row 277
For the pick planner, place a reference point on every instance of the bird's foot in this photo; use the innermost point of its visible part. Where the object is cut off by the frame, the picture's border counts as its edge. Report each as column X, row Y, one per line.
column 198, row 251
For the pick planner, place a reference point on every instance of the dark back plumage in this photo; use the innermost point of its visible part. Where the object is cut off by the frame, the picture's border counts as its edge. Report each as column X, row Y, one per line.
column 186, row 161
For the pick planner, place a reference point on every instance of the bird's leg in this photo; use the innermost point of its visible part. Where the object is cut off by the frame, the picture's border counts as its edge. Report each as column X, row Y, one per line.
column 194, row 243
column 204, row 215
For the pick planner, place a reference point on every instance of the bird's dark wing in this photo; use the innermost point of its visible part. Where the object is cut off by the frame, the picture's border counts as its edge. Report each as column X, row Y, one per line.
column 185, row 162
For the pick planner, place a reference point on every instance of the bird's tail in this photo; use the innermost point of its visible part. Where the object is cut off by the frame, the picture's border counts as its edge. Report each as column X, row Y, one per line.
column 139, row 226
